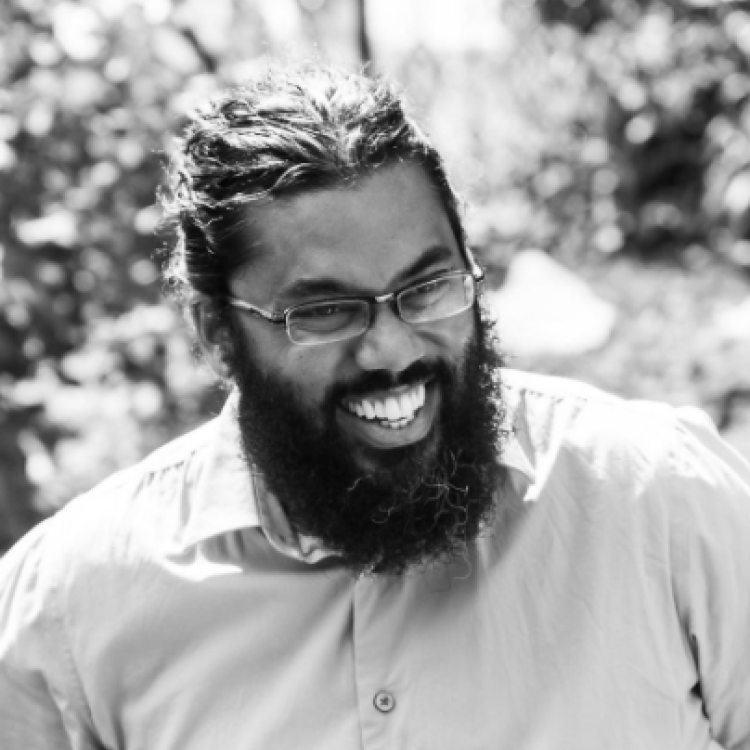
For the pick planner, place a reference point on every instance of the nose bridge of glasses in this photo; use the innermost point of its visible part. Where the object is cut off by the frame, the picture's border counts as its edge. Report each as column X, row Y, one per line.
column 380, row 299
column 390, row 300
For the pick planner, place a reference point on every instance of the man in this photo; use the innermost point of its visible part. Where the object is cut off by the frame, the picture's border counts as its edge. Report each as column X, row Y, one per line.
column 386, row 540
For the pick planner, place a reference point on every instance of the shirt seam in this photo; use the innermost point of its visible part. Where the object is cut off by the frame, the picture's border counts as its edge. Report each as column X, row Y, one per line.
column 151, row 466
column 598, row 399
column 521, row 390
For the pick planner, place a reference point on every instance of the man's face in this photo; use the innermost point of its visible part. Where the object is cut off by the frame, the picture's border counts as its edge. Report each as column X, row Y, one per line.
column 385, row 490
column 389, row 231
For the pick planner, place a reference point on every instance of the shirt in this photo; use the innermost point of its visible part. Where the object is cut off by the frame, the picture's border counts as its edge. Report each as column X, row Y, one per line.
column 172, row 608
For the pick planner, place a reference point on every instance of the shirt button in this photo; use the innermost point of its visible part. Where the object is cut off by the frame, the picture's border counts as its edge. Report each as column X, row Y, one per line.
column 384, row 702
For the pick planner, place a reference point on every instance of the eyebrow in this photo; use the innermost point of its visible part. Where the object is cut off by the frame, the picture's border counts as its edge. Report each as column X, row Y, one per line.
column 322, row 286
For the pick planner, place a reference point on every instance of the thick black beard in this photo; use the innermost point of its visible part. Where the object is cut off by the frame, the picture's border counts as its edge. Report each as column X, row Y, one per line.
column 423, row 504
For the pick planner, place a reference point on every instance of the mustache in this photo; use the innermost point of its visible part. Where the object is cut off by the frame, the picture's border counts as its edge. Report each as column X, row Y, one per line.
column 377, row 380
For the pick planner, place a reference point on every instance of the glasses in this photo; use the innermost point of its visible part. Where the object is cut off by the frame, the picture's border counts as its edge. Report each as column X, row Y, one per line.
column 343, row 318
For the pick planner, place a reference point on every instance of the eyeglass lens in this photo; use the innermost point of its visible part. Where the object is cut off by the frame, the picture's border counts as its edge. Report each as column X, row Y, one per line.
column 436, row 299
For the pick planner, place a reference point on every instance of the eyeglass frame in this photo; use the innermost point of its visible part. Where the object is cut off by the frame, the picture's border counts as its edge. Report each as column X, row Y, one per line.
column 476, row 274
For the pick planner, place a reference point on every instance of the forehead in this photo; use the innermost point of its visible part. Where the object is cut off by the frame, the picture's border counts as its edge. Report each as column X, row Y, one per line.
column 361, row 238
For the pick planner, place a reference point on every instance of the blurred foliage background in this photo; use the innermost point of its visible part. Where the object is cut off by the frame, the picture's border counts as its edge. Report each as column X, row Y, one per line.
column 610, row 135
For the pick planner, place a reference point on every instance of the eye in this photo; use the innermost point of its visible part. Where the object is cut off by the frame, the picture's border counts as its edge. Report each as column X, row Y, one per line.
column 323, row 311
column 428, row 293
column 432, row 287
column 326, row 316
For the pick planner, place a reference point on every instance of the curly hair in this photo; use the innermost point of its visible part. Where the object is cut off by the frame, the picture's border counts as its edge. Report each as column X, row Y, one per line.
column 291, row 130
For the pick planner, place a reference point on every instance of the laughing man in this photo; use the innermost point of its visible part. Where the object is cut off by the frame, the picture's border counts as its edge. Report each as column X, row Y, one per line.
column 386, row 539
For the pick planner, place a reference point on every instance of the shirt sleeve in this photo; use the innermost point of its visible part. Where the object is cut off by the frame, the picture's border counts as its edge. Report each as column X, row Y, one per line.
column 710, row 497
column 35, row 712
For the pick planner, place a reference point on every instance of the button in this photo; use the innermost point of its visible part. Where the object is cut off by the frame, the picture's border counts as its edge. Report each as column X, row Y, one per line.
column 384, row 702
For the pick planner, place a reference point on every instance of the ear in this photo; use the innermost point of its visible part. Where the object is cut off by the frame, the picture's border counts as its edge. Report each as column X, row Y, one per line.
column 213, row 335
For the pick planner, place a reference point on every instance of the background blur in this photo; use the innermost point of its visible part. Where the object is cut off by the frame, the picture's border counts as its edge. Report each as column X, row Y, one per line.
column 604, row 147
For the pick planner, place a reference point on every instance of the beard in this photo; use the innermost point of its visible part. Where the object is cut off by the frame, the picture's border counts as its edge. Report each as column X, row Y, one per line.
column 403, row 508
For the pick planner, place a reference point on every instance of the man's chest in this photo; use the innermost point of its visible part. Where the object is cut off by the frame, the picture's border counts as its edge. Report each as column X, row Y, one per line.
column 490, row 655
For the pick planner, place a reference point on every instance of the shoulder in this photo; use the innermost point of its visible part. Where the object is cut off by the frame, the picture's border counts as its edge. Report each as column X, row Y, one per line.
column 666, row 466
column 77, row 565
column 550, row 409
column 588, row 435
column 117, row 518
column 549, row 394
column 178, row 453
column 655, row 469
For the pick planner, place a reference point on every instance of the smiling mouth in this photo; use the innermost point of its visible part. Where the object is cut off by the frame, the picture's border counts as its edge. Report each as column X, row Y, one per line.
column 395, row 410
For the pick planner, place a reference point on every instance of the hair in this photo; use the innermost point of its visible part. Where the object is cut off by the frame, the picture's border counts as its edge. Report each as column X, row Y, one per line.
column 293, row 129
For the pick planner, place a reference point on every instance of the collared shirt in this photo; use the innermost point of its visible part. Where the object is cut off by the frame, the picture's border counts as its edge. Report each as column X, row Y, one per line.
column 173, row 608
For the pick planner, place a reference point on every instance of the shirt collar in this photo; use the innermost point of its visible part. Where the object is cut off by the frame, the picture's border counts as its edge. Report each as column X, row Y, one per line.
column 230, row 496
column 225, row 496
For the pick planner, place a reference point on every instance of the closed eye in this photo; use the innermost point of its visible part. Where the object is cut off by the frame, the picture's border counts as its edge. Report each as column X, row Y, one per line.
column 327, row 317
column 325, row 310
column 431, row 287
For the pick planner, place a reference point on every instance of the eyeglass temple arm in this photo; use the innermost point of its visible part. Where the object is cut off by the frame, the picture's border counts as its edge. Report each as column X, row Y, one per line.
column 476, row 270
column 240, row 304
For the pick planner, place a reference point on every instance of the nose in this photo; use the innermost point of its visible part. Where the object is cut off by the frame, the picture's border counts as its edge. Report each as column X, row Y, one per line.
column 389, row 343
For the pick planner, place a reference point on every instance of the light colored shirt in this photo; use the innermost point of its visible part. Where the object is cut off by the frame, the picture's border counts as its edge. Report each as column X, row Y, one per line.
column 172, row 608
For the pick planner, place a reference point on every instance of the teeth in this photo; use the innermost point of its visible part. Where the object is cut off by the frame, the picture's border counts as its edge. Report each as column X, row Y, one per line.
column 395, row 412
column 418, row 395
column 406, row 403
column 392, row 410
column 398, row 424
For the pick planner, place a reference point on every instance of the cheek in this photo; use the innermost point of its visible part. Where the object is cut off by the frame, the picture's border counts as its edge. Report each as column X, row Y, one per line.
column 310, row 370
column 450, row 337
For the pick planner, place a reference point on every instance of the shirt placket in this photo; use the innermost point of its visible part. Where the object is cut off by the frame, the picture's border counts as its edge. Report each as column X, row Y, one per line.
column 381, row 690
